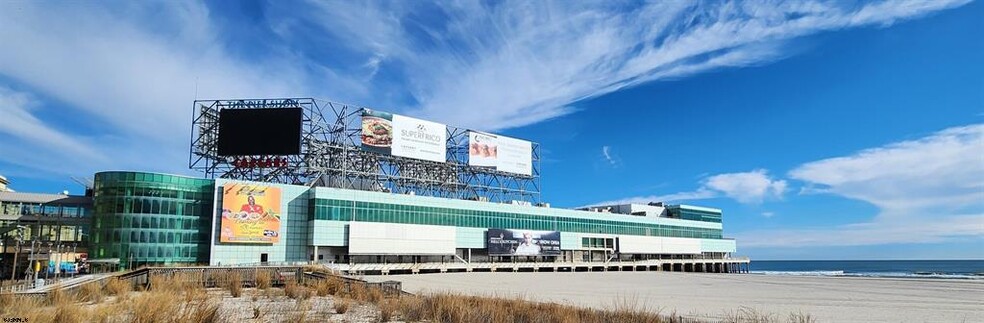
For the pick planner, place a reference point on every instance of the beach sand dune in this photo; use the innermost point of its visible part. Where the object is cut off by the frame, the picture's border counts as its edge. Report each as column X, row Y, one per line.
column 711, row 296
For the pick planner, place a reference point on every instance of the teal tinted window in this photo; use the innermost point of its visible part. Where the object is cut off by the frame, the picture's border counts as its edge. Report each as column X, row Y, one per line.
column 340, row 210
column 151, row 216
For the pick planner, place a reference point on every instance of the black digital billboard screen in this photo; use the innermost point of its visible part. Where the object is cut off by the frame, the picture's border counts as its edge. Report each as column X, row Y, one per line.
column 505, row 242
column 274, row 131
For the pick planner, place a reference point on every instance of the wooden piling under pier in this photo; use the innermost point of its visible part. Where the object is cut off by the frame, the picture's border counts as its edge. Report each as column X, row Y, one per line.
column 725, row 265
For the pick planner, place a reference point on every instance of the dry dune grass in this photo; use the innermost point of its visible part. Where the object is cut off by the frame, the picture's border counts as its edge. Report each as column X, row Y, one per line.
column 264, row 279
column 165, row 303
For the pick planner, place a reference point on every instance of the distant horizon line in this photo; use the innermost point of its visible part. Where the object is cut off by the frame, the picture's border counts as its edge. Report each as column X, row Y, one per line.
column 977, row 259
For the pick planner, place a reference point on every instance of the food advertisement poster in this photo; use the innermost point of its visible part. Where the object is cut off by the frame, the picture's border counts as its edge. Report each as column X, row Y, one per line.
column 403, row 136
column 250, row 213
column 483, row 149
column 505, row 242
column 504, row 153
column 377, row 131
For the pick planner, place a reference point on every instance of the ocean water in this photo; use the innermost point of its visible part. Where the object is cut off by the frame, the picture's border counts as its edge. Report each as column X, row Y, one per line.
column 941, row 269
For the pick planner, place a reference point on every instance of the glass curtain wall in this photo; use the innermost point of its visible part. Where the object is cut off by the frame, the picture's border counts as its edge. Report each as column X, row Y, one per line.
column 341, row 210
column 147, row 218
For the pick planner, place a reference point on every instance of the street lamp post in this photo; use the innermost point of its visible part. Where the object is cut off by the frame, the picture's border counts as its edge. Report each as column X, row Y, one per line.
column 77, row 264
column 58, row 261
column 20, row 239
column 47, row 269
column 35, row 265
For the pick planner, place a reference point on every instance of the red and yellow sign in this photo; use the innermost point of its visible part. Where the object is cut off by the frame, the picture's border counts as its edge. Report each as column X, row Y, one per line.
column 250, row 213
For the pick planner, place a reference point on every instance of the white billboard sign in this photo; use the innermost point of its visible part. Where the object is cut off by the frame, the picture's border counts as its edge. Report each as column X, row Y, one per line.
column 504, row 153
column 404, row 136
column 372, row 238
column 515, row 156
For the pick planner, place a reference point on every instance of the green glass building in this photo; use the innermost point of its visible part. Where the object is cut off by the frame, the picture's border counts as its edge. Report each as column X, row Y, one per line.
column 147, row 218
column 144, row 218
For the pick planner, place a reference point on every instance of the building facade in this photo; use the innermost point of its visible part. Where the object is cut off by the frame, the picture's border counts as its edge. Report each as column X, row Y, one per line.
column 41, row 224
column 584, row 235
column 141, row 218
column 147, row 218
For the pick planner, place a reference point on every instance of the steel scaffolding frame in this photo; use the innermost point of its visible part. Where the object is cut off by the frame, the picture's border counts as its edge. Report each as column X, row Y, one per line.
column 331, row 157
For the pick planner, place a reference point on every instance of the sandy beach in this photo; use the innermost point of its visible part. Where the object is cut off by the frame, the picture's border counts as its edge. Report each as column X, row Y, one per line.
column 711, row 296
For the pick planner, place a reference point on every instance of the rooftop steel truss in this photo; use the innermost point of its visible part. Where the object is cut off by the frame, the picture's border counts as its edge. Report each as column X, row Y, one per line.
column 331, row 157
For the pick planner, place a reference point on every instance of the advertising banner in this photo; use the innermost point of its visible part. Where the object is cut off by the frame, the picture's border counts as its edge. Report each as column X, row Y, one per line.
column 483, row 149
column 250, row 213
column 504, row 153
column 403, row 136
column 515, row 156
column 505, row 242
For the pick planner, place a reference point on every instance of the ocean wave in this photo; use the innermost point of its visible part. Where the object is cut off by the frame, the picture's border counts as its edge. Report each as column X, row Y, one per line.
column 841, row 273
column 799, row 273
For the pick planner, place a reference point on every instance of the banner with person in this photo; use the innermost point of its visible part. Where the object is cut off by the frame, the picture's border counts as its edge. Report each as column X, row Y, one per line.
column 250, row 213
column 505, row 242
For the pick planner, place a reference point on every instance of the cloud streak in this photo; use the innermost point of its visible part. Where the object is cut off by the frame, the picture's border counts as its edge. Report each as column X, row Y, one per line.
column 127, row 74
column 752, row 187
column 927, row 190
column 524, row 62
column 606, row 152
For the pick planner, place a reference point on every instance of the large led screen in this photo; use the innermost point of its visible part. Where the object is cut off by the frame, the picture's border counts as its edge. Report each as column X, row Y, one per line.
column 505, row 242
column 250, row 213
column 403, row 136
column 244, row 132
column 504, row 153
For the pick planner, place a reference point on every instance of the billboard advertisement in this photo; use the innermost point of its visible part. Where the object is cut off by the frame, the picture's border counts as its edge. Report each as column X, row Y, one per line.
column 250, row 213
column 505, row 242
column 483, row 149
column 403, row 136
column 275, row 131
column 504, row 153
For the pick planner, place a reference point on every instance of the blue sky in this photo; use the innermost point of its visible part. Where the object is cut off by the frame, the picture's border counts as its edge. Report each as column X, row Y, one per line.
column 825, row 130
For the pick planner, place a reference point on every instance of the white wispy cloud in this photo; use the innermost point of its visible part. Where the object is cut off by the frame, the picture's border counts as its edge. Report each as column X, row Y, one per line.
column 127, row 73
column 24, row 135
column 524, row 62
column 746, row 187
column 606, row 152
column 927, row 190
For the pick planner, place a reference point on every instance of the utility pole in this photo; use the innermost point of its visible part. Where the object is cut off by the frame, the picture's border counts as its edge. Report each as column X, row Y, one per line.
column 20, row 238
column 48, row 268
column 13, row 273
column 34, row 265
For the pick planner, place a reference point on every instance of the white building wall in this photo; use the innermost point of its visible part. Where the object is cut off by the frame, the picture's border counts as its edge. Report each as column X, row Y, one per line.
column 658, row 245
column 470, row 237
column 371, row 238
column 718, row 245
column 681, row 246
column 328, row 233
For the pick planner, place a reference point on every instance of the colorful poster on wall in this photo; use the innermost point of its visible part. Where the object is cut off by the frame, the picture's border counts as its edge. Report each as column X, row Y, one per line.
column 505, row 242
column 250, row 213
